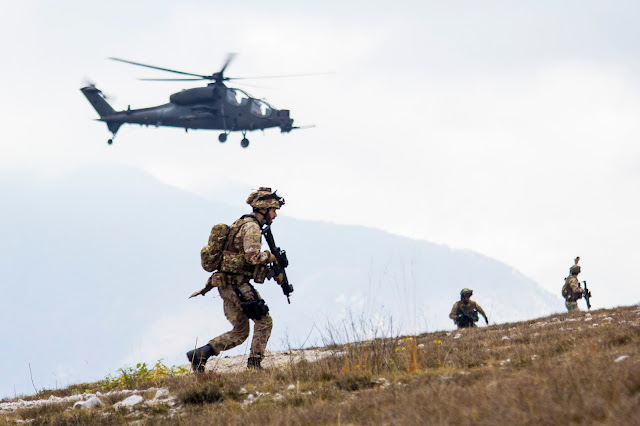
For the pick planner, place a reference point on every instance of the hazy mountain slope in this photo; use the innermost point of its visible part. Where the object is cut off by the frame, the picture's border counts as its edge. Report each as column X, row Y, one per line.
column 96, row 269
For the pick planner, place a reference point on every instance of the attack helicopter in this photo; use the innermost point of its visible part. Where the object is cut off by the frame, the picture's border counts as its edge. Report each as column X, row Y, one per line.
column 214, row 107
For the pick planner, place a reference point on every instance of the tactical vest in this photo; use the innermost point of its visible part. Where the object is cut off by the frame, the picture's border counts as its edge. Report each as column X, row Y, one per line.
column 233, row 261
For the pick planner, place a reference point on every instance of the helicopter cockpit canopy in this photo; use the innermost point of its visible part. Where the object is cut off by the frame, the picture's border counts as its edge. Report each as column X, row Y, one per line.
column 260, row 108
column 237, row 97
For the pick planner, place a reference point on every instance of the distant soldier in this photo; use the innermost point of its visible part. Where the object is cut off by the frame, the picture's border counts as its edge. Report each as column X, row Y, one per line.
column 465, row 311
column 571, row 290
column 242, row 261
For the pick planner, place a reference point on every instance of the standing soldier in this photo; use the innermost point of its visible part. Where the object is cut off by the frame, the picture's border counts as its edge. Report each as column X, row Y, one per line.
column 242, row 261
column 571, row 290
column 465, row 311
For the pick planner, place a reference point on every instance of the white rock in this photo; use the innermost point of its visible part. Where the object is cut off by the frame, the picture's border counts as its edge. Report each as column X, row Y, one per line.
column 505, row 338
column 621, row 358
column 457, row 336
column 161, row 392
column 129, row 402
column 278, row 397
column 291, row 387
column 89, row 403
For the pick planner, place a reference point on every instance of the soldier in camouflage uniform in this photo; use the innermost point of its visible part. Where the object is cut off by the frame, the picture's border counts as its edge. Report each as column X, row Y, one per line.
column 242, row 261
column 465, row 311
column 571, row 290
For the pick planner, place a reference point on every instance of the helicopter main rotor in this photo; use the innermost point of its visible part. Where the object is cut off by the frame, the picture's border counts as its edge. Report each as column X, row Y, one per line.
column 215, row 77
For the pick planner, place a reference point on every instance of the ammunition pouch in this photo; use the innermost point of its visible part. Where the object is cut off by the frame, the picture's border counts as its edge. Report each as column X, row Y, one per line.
column 234, row 263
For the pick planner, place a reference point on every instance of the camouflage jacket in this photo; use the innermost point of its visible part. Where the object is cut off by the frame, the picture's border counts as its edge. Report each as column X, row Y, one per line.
column 572, row 288
column 468, row 308
column 243, row 251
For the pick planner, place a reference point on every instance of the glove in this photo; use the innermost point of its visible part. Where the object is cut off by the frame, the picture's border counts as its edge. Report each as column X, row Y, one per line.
column 271, row 258
column 279, row 278
column 486, row 320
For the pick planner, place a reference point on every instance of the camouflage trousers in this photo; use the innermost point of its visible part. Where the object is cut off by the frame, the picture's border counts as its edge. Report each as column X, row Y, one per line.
column 571, row 305
column 240, row 322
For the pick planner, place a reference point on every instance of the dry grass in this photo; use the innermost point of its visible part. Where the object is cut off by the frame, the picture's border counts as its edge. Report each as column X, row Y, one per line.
column 561, row 369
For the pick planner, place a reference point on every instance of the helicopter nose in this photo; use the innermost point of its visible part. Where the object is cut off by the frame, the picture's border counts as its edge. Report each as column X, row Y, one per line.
column 286, row 125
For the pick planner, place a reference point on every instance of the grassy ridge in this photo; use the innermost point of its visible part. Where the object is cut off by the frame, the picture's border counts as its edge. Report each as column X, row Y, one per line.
column 578, row 368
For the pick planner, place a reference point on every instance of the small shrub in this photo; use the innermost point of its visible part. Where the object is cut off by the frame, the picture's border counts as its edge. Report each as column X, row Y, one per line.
column 354, row 383
column 206, row 393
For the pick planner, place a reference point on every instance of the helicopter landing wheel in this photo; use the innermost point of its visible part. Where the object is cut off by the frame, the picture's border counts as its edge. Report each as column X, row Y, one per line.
column 110, row 141
column 244, row 142
column 222, row 137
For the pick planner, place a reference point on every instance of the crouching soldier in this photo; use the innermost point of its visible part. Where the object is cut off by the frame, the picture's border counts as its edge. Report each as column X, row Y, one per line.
column 465, row 311
column 242, row 261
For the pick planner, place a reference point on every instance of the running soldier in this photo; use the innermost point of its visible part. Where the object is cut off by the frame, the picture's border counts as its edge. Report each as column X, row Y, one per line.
column 465, row 311
column 242, row 261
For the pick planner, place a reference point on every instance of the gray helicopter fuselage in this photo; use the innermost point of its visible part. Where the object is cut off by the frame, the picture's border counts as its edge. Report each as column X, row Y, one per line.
column 214, row 107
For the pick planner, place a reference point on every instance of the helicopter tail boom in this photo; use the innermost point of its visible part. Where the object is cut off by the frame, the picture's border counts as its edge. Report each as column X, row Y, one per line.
column 94, row 96
column 102, row 107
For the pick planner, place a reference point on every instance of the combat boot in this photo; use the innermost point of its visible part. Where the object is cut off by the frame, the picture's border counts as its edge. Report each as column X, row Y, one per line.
column 254, row 362
column 198, row 357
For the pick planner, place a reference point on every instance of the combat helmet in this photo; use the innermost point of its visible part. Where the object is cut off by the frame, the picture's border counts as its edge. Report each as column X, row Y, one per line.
column 466, row 292
column 575, row 269
column 265, row 198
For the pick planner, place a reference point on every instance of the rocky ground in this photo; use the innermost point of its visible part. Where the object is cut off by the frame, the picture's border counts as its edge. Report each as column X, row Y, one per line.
column 224, row 365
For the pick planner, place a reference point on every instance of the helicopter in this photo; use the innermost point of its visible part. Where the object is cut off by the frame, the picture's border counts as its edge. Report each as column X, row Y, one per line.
column 214, row 107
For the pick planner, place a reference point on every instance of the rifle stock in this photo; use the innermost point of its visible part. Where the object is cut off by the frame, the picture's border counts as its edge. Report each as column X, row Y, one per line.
column 277, row 269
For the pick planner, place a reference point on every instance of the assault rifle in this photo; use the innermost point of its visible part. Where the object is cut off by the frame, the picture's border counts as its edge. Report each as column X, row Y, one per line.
column 587, row 295
column 466, row 318
column 277, row 269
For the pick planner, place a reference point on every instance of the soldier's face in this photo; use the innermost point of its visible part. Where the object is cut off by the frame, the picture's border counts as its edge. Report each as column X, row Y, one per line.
column 466, row 299
column 271, row 215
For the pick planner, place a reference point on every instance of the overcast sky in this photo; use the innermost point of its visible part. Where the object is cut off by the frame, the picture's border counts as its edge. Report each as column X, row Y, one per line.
column 506, row 127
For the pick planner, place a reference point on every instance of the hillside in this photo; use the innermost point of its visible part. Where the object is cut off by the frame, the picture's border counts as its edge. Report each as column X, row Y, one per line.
column 97, row 268
column 560, row 369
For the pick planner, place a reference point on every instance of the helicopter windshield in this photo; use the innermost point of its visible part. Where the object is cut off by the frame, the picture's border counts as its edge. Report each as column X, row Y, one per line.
column 237, row 97
column 260, row 108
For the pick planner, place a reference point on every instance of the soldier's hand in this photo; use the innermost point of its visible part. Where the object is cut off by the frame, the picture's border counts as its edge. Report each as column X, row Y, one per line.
column 279, row 278
column 271, row 258
column 486, row 320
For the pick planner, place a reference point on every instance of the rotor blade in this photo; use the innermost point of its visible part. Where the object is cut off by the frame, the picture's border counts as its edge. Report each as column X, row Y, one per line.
column 171, row 79
column 230, row 57
column 253, row 86
column 158, row 68
column 279, row 76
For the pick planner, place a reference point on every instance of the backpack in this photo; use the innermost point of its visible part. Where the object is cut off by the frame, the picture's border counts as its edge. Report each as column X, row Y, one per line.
column 566, row 290
column 211, row 254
